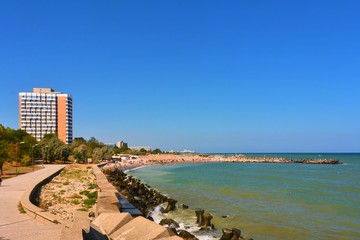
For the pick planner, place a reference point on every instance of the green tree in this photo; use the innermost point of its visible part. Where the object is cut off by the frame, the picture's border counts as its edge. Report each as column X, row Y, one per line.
column 107, row 152
column 143, row 151
column 101, row 153
column 80, row 153
column 156, row 151
column 53, row 149
column 63, row 152
column 91, row 144
column 77, row 142
column 15, row 144
column 97, row 155
column 116, row 150
column 124, row 148
column 26, row 159
column 3, row 154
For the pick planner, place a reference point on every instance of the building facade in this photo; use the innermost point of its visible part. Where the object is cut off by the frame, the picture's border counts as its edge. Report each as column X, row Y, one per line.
column 46, row 111
column 120, row 144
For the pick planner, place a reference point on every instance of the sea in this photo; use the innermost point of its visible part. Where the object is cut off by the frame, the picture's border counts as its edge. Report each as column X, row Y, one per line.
column 265, row 200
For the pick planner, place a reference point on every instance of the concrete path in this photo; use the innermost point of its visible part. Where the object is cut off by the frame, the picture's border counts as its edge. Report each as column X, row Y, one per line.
column 13, row 224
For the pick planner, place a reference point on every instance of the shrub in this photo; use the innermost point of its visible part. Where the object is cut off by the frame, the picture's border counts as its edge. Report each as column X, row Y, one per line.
column 21, row 208
column 85, row 192
column 89, row 202
column 92, row 195
column 75, row 201
column 92, row 186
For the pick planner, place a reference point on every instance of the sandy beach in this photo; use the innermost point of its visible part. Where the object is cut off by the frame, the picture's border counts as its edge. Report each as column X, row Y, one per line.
column 155, row 159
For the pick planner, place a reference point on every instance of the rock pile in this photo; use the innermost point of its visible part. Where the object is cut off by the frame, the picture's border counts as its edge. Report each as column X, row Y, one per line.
column 142, row 196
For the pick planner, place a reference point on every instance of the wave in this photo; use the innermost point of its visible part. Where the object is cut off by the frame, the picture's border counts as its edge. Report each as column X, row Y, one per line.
column 192, row 228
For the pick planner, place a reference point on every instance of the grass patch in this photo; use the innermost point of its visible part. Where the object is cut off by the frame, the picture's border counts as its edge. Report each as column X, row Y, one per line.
column 89, row 202
column 73, row 173
column 92, row 186
column 83, row 209
column 85, row 192
column 92, row 195
column 21, row 208
column 75, row 201
column 66, row 183
column 62, row 191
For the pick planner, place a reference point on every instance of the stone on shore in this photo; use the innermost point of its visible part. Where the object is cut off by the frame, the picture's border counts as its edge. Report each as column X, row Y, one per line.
column 186, row 235
column 169, row 222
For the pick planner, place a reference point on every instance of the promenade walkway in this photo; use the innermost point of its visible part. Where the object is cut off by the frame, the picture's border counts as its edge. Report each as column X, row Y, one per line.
column 13, row 224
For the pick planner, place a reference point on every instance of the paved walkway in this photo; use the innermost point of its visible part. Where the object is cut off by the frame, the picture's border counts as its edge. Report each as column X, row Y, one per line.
column 13, row 224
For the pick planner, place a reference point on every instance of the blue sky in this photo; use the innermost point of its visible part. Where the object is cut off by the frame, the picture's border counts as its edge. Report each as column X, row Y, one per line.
column 211, row 76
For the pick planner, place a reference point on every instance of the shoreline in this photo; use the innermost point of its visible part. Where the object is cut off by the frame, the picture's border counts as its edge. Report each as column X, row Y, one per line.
column 165, row 159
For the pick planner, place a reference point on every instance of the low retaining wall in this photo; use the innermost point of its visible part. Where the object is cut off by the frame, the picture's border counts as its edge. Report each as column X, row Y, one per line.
column 28, row 201
column 107, row 200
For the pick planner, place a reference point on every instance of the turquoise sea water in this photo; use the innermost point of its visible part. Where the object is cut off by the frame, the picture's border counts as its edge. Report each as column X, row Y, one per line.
column 265, row 200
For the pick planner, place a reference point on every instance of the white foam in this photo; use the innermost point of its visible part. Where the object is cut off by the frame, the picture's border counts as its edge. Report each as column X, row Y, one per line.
column 156, row 214
column 133, row 169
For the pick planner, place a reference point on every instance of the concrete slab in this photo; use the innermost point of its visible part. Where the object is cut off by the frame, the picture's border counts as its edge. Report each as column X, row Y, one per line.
column 81, row 220
column 140, row 229
column 111, row 222
column 171, row 238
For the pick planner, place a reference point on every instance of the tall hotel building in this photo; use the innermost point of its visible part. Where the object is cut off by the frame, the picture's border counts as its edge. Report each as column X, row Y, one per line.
column 46, row 111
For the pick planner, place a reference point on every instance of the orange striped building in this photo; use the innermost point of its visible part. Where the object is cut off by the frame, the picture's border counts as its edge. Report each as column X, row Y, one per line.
column 46, row 111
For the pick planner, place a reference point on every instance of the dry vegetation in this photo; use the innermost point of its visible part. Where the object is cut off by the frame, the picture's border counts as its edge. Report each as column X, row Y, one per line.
column 73, row 189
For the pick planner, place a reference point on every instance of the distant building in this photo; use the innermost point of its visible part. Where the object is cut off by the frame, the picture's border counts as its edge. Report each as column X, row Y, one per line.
column 147, row 148
column 45, row 111
column 120, row 144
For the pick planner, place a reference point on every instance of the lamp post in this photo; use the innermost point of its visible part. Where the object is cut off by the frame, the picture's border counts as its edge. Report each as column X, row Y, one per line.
column 32, row 156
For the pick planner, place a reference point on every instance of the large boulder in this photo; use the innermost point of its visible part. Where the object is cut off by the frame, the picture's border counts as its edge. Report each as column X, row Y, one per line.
column 169, row 222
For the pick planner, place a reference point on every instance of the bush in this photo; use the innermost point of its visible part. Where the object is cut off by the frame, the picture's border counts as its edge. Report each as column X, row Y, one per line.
column 21, row 208
column 92, row 186
column 92, row 195
column 89, row 202
column 85, row 192
column 75, row 201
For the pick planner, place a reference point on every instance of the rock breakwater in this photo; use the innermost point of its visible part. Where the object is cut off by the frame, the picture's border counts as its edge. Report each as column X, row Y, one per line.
column 142, row 196
column 146, row 199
